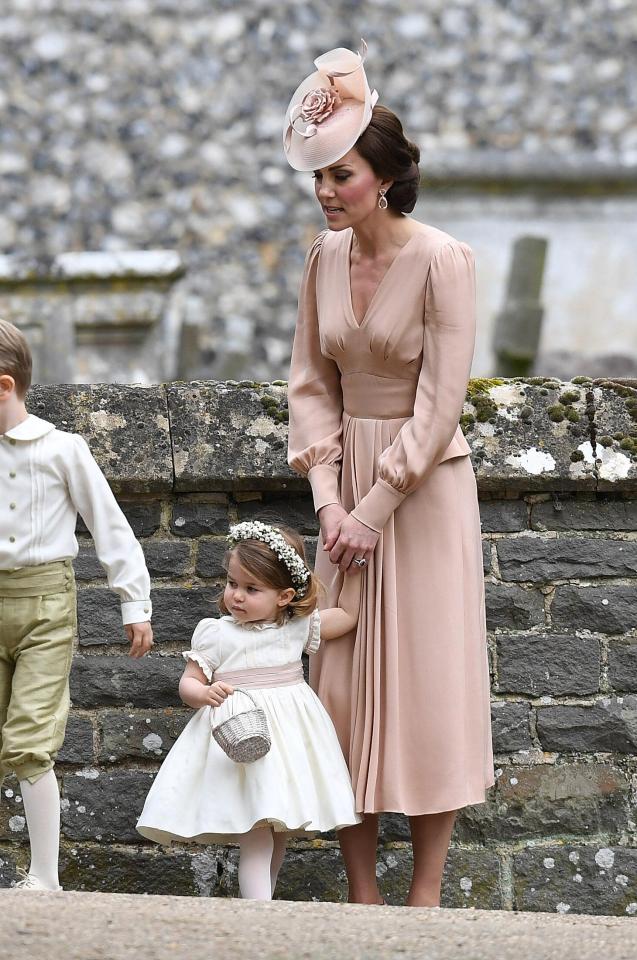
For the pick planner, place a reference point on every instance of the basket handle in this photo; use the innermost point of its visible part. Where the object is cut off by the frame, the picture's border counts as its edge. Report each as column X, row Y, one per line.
column 236, row 690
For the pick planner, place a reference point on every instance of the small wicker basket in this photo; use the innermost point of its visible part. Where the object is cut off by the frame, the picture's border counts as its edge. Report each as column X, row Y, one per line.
column 244, row 736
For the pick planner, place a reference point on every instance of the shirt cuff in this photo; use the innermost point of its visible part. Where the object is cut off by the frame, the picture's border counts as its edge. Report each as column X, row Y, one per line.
column 136, row 611
column 324, row 478
column 377, row 506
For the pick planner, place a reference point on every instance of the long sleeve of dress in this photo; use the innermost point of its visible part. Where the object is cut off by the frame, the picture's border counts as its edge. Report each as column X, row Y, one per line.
column 314, row 397
column 449, row 333
column 117, row 549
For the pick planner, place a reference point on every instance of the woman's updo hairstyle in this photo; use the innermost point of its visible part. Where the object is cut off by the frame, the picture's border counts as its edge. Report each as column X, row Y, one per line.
column 393, row 157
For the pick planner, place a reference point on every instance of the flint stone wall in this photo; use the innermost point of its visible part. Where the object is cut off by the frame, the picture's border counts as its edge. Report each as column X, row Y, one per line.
column 557, row 472
column 149, row 124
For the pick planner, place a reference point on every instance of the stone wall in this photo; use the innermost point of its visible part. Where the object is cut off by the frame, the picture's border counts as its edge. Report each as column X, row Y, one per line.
column 147, row 123
column 557, row 473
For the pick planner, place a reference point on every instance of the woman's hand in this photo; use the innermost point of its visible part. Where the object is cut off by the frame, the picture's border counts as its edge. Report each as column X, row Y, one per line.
column 330, row 518
column 354, row 540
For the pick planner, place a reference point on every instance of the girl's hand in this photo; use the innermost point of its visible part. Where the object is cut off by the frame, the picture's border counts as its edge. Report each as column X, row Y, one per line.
column 330, row 518
column 354, row 540
column 216, row 693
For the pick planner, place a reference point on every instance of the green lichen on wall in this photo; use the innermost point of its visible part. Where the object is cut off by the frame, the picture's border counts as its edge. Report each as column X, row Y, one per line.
column 478, row 394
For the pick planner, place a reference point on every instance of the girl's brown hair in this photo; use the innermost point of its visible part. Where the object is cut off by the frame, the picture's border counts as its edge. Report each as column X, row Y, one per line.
column 257, row 559
column 393, row 157
column 15, row 357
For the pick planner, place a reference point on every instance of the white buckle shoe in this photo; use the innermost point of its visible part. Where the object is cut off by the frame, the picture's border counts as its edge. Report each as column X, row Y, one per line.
column 29, row 882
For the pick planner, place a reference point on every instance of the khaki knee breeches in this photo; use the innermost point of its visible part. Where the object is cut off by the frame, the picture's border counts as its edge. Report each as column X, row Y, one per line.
column 37, row 628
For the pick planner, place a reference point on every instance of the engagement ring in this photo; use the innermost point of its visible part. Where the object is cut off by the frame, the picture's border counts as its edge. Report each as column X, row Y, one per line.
column 360, row 561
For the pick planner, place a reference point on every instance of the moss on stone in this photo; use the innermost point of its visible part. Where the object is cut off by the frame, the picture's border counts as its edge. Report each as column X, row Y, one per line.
column 526, row 413
column 482, row 385
column 572, row 415
column 581, row 380
column 556, row 413
column 568, row 397
column 577, row 455
column 466, row 421
column 606, row 441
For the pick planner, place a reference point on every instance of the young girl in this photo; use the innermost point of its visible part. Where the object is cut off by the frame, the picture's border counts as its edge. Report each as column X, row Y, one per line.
column 302, row 783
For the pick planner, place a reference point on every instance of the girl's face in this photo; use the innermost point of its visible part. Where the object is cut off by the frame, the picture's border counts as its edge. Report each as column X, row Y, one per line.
column 249, row 600
column 348, row 191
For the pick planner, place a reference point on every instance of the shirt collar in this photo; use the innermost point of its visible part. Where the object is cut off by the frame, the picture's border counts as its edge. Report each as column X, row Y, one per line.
column 251, row 626
column 30, row 429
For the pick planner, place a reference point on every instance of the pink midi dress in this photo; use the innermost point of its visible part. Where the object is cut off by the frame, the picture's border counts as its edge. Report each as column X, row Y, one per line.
column 374, row 409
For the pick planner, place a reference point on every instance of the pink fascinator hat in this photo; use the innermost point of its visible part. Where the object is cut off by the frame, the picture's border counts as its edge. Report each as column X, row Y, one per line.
column 329, row 111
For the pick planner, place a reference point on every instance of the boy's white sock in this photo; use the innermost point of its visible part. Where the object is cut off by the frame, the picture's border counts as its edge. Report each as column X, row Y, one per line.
column 42, row 810
column 254, row 864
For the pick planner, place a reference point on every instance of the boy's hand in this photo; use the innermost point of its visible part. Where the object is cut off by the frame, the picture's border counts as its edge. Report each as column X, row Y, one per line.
column 141, row 638
column 216, row 693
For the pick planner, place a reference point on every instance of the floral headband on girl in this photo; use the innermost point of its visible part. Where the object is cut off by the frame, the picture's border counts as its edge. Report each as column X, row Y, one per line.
column 256, row 530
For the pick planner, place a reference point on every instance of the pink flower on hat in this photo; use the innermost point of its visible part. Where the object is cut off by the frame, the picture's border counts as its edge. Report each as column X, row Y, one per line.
column 318, row 104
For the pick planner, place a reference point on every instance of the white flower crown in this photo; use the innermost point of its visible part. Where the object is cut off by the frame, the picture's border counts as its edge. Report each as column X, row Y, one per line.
column 256, row 530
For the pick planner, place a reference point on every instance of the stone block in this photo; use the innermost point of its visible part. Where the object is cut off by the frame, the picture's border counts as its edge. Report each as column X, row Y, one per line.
column 608, row 725
column 513, row 607
column 78, row 741
column 194, row 519
column 210, row 558
column 144, row 517
column 116, row 421
column 13, row 825
column 229, row 436
column 86, row 565
column 140, row 736
column 622, row 665
column 503, row 422
column 486, row 556
column 119, row 681
column 615, row 419
column 503, row 516
column 603, row 609
column 472, row 879
column 510, row 726
column 138, row 870
column 539, row 559
column 600, row 514
column 166, row 558
column 7, row 867
column 576, row 879
column 104, row 806
column 176, row 612
column 392, row 827
column 549, row 800
column 313, row 875
column 556, row 665
column 293, row 511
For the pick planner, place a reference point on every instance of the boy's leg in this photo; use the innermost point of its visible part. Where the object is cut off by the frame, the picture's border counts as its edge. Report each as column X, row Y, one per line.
column 254, row 864
column 6, row 675
column 36, row 719
column 278, row 853
column 42, row 810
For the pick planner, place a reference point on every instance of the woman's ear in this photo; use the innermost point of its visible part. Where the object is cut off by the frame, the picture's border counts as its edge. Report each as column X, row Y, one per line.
column 286, row 597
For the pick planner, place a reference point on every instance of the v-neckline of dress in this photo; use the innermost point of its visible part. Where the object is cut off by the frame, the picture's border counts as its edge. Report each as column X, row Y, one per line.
column 348, row 277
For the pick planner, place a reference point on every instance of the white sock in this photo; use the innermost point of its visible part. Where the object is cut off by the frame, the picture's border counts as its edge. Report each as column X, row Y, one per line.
column 280, row 841
column 42, row 811
column 255, row 859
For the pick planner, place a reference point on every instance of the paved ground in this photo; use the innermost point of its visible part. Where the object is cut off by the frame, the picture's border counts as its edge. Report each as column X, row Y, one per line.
column 97, row 926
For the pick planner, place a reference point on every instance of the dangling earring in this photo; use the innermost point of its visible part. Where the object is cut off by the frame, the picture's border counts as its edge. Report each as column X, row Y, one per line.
column 382, row 199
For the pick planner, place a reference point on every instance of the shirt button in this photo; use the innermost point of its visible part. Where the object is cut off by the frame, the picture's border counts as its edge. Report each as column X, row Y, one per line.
column 12, row 474
column 146, row 609
column 11, row 539
column 12, row 506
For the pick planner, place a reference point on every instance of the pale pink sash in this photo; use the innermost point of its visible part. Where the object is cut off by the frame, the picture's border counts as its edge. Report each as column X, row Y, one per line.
column 284, row 676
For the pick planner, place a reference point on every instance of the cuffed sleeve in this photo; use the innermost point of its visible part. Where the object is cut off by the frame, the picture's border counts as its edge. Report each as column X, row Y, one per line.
column 314, row 397
column 313, row 641
column 203, row 647
column 117, row 549
column 449, row 334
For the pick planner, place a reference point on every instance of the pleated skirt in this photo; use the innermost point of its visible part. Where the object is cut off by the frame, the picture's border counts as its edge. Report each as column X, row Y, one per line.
column 408, row 691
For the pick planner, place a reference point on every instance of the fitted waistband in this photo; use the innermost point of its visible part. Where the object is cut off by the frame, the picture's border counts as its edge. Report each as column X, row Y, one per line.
column 284, row 676
column 37, row 581
column 377, row 398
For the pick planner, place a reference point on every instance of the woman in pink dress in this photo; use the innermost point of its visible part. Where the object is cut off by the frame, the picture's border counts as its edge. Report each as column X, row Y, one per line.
column 382, row 354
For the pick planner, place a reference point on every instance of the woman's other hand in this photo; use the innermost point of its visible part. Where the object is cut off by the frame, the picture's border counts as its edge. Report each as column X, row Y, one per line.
column 355, row 540
column 331, row 518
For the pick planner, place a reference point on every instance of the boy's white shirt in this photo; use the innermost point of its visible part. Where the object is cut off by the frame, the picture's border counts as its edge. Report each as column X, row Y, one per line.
column 47, row 477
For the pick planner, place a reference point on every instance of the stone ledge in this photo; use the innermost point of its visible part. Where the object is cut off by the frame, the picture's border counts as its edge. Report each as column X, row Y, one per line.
column 525, row 435
column 89, row 265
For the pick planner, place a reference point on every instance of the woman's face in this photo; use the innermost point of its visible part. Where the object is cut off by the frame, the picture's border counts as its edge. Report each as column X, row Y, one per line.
column 347, row 191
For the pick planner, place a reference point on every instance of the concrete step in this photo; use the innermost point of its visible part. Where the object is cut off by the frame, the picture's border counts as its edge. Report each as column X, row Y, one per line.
column 99, row 926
